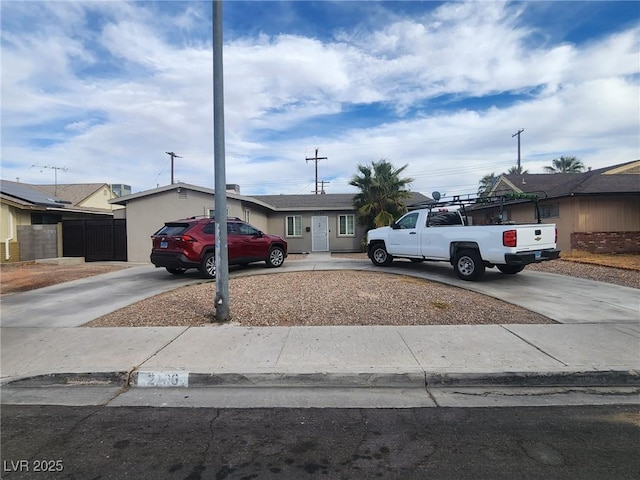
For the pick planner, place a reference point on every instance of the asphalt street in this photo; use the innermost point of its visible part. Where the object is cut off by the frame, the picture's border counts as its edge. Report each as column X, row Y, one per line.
column 585, row 443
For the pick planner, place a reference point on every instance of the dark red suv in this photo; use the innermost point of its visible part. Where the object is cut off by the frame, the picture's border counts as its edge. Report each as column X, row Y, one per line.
column 190, row 243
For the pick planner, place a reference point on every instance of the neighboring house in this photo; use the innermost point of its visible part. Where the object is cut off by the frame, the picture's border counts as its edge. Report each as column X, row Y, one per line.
column 31, row 221
column 596, row 211
column 86, row 195
column 308, row 222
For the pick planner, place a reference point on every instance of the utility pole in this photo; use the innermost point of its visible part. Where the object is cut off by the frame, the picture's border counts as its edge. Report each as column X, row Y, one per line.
column 518, row 134
column 322, row 182
column 221, row 299
column 316, row 159
column 172, row 155
column 55, row 170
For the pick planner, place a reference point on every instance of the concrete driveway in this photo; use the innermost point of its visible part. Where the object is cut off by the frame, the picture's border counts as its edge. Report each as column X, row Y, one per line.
column 561, row 298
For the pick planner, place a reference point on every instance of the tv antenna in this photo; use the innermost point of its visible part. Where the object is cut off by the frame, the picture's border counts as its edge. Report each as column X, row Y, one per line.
column 55, row 171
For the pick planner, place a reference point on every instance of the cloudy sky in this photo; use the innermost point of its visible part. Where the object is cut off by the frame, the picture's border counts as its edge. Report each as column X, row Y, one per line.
column 101, row 90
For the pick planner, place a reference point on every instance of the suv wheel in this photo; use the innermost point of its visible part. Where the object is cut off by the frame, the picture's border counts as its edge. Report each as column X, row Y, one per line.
column 208, row 265
column 276, row 257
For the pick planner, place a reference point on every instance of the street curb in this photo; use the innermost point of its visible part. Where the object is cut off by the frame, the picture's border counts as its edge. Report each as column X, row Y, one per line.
column 278, row 379
column 89, row 379
column 397, row 380
column 318, row 379
column 604, row 378
column 182, row 379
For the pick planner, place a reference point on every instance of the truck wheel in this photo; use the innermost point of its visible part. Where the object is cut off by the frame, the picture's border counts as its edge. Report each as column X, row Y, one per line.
column 276, row 257
column 510, row 269
column 208, row 265
column 380, row 257
column 468, row 265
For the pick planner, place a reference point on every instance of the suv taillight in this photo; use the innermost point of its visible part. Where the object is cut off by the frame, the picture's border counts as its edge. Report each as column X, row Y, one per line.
column 510, row 238
column 187, row 239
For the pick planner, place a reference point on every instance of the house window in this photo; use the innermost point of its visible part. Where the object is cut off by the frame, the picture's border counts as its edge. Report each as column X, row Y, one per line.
column 247, row 215
column 211, row 212
column 346, row 226
column 550, row 211
column 294, row 226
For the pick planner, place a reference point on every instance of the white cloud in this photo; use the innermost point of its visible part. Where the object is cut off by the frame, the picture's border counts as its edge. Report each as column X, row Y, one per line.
column 110, row 102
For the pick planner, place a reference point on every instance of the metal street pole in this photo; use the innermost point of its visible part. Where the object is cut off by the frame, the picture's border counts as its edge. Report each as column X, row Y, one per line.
column 220, row 195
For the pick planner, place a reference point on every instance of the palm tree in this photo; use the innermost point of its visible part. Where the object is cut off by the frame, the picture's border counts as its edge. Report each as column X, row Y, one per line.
column 486, row 184
column 382, row 193
column 517, row 170
column 565, row 165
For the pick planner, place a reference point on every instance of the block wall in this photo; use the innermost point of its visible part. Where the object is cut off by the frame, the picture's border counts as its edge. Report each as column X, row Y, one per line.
column 606, row 242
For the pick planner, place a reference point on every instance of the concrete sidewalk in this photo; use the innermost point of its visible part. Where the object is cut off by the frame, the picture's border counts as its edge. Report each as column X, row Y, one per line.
column 230, row 355
column 601, row 350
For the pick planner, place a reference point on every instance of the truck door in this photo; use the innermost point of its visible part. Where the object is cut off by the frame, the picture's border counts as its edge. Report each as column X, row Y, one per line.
column 404, row 236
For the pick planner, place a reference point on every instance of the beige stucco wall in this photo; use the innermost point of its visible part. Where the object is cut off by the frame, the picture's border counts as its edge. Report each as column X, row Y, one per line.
column 100, row 199
column 7, row 225
column 8, row 234
column 11, row 218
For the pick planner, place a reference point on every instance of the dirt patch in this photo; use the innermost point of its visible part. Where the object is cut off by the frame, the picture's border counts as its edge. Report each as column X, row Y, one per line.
column 321, row 298
column 29, row 276
column 624, row 261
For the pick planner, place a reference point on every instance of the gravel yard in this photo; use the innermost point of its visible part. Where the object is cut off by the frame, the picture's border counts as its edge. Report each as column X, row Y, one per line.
column 344, row 297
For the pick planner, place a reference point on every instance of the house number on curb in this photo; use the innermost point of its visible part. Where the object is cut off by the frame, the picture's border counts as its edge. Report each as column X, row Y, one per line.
column 163, row 379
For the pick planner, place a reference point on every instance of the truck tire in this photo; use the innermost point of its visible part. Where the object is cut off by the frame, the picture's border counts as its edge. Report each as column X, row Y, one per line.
column 208, row 265
column 276, row 257
column 379, row 256
column 468, row 265
column 510, row 269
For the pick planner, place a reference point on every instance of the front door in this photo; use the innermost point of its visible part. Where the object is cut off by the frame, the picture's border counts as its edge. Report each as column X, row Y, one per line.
column 319, row 234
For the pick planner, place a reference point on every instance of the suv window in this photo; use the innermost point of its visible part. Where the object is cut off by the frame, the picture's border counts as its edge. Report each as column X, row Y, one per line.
column 209, row 228
column 172, row 229
column 244, row 229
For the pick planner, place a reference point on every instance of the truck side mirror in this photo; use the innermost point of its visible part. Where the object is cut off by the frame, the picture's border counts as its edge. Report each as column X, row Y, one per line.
column 394, row 226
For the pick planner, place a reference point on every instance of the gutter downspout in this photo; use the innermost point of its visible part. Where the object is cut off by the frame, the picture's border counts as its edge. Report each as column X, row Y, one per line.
column 7, row 253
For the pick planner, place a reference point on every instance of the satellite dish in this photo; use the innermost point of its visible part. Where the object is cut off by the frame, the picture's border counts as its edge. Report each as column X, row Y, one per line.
column 436, row 195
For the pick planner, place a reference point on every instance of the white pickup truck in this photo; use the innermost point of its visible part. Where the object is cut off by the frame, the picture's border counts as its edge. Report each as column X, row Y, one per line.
column 440, row 234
